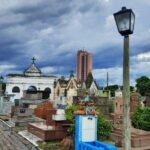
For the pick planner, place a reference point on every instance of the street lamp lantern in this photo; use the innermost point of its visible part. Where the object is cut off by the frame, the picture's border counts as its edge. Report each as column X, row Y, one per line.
column 125, row 19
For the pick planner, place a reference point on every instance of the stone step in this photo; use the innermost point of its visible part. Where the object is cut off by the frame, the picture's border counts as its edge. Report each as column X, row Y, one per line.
column 30, row 137
column 5, row 143
column 24, row 141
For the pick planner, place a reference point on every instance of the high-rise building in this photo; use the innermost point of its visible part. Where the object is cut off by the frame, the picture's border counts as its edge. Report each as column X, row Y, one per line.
column 84, row 65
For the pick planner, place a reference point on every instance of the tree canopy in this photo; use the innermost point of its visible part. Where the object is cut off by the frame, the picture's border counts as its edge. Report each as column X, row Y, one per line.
column 113, row 88
column 89, row 80
column 143, row 85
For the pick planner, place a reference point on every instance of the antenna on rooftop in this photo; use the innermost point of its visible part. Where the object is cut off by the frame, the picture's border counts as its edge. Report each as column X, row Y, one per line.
column 107, row 79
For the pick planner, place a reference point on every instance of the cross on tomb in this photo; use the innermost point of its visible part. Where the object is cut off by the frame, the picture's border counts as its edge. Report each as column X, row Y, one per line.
column 71, row 71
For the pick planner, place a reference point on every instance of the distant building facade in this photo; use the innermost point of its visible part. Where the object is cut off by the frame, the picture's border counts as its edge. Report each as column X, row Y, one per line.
column 72, row 88
column 31, row 84
column 66, row 88
column 134, row 101
column 84, row 65
column 93, row 90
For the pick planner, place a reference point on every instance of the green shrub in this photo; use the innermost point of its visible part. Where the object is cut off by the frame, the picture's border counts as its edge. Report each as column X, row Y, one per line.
column 141, row 118
column 69, row 114
column 104, row 127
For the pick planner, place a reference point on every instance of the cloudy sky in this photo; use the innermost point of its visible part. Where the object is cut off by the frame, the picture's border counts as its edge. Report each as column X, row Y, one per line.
column 54, row 30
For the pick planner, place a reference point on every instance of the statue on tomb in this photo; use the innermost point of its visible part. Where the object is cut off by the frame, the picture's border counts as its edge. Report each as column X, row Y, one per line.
column 86, row 106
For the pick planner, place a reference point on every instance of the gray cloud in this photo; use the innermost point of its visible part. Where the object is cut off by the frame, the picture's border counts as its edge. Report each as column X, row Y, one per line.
column 53, row 31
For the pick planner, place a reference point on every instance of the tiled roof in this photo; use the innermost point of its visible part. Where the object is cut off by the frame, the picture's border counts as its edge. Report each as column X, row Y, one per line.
column 23, row 75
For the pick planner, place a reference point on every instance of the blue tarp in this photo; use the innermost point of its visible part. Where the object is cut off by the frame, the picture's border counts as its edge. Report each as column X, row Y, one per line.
column 96, row 145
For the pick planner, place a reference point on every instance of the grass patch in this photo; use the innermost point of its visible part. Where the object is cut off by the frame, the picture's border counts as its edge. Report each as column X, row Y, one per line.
column 50, row 146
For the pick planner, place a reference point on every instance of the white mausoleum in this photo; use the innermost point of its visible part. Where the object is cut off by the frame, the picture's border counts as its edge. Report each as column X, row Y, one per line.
column 31, row 81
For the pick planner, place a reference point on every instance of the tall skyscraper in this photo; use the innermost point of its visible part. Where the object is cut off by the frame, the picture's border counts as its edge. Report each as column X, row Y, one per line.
column 84, row 65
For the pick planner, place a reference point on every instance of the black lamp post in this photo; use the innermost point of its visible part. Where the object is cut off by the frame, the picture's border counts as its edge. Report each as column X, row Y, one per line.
column 1, row 79
column 1, row 82
column 125, row 20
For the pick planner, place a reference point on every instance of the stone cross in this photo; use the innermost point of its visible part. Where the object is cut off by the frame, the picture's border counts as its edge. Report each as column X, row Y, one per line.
column 33, row 60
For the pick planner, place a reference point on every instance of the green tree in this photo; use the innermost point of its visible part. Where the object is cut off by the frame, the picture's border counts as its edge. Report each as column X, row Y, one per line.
column 3, row 86
column 112, row 89
column 143, row 85
column 131, row 88
column 140, row 118
column 89, row 80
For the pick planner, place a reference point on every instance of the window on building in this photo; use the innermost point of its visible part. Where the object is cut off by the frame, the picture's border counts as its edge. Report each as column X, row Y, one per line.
column 116, row 105
column 65, row 93
column 48, row 90
column 46, row 93
column 58, row 92
column 83, row 68
column 71, row 85
column 16, row 89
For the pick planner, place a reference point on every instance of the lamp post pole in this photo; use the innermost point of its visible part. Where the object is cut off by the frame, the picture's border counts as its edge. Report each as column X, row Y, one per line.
column 125, row 20
column 126, row 97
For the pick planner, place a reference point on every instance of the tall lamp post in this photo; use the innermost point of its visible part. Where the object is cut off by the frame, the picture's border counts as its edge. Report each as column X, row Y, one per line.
column 1, row 84
column 125, row 20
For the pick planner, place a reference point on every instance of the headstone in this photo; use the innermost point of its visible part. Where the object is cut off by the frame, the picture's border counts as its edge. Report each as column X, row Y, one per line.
column 134, row 101
column 118, row 102
column 147, row 100
column 23, row 112
column 5, row 106
column 16, row 102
